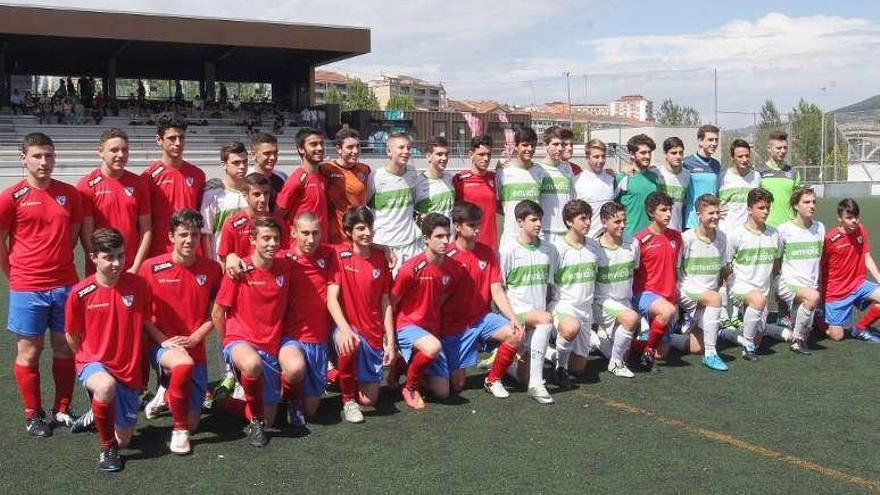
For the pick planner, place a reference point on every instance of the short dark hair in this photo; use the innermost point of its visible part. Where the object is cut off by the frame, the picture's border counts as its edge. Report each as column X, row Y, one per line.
column 254, row 179
column 525, row 134
column 236, row 147
column 672, row 142
column 106, row 240
column 436, row 142
column 304, row 133
column 798, row 194
column 610, row 209
column 356, row 215
column 848, row 205
column 265, row 222
column 552, row 132
column 706, row 200
column 707, row 128
column 655, row 199
column 574, row 209
column 346, row 133
column 757, row 195
column 433, row 220
column 165, row 122
column 566, row 134
column 481, row 140
column 632, row 145
column 188, row 218
column 465, row 211
column 259, row 138
column 112, row 133
column 739, row 143
column 527, row 207
column 777, row 136
column 35, row 139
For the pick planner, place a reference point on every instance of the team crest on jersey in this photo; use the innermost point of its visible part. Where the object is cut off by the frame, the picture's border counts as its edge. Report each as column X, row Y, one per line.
column 859, row 239
column 238, row 223
column 190, row 181
column 320, row 262
column 86, row 290
column 128, row 300
column 344, row 254
column 376, row 273
column 96, row 180
column 62, row 200
column 21, row 192
column 158, row 267
column 445, row 280
column 482, row 264
column 128, row 190
column 361, row 176
column 158, row 171
column 201, row 279
column 279, row 280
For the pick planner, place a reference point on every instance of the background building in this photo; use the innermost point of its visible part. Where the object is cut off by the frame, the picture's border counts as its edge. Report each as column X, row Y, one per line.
column 426, row 95
column 326, row 80
column 635, row 107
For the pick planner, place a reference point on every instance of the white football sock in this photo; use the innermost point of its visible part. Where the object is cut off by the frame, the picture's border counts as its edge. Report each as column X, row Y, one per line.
column 709, row 323
column 538, row 345
column 803, row 323
column 622, row 341
column 752, row 319
column 563, row 351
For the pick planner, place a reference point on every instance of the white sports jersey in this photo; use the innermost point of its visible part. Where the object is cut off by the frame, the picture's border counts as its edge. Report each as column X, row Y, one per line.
column 596, row 190
column 733, row 190
column 752, row 255
column 393, row 200
column 515, row 184
column 700, row 263
column 528, row 270
column 675, row 185
column 218, row 204
column 556, row 190
column 434, row 195
column 801, row 253
column 614, row 273
column 574, row 280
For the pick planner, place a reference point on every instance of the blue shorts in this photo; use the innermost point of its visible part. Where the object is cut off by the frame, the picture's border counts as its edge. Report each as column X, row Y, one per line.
column 315, row 380
column 199, row 377
column 407, row 337
column 462, row 349
column 127, row 401
column 271, row 371
column 643, row 301
column 31, row 313
column 839, row 313
column 369, row 361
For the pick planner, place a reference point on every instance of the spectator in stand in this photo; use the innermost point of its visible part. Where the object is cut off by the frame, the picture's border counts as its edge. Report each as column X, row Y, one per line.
column 30, row 103
column 223, row 96
column 235, row 104
column 198, row 105
column 16, row 102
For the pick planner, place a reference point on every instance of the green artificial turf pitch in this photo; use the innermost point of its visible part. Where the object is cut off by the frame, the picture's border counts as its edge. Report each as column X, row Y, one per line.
column 785, row 424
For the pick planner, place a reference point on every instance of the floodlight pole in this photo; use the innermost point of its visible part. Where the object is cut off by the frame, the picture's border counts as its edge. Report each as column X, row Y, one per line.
column 568, row 90
column 715, row 71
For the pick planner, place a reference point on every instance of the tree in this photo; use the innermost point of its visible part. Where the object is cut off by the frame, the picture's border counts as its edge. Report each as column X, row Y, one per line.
column 580, row 131
column 404, row 103
column 673, row 114
column 806, row 127
column 770, row 115
column 359, row 97
column 770, row 121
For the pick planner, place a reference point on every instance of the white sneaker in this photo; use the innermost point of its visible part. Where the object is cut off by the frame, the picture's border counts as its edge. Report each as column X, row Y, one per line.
column 351, row 412
column 157, row 404
column 180, row 442
column 619, row 369
column 497, row 389
column 540, row 394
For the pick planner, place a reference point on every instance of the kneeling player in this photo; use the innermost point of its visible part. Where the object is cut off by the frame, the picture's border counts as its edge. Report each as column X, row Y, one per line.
column 106, row 315
column 470, row 307
column 248, row 313
column 359, row 300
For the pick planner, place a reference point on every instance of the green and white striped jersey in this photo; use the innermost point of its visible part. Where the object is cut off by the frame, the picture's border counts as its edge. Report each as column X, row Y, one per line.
column 556, row 189
column 733, row 190
column 514, row 184
column 528, row 270
column 675, row 185
column 614, row 273
column 434, row 195
column 574, row 280
column 801, row 253
column 752, row 255
column 393, row 198
column 218, row 204
column 700, row 263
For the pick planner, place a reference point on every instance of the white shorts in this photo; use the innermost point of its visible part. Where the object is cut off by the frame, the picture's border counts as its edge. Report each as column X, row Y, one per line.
column 581, row 343
column 405, row 252
column 606, row 314
column 787, row 293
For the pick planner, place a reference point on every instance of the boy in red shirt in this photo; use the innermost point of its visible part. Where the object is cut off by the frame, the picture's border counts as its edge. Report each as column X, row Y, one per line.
column 477, row 186
column 305, row 188
column 40, row 219
column 846, row 258
column 182, row 275
column 359, row 300
column 107, row 314
column 114, row 197
column 248, row 314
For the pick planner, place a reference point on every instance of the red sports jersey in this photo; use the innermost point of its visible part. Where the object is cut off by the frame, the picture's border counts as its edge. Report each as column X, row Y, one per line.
column 362, row 283
column 235, row 235
column 308, row 320
column 473, row 299
column 40, row 244
column 170, row 190
column 421, row 288
column 305, row 191
column 843, row 262
column 108, row 324
column 257, row 303
column 658, row 254
column 480, row 190
column 575, row 169
column 115, row 203
column 171, row 284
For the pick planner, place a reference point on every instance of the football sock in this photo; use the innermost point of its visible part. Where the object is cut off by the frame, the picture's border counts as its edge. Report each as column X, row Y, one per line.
column 638, row 346
column 64, row 373
column 731, row 335
column 563, row 351
column 656, row 333
column 347, row 372
column 253, row 394
column 503, row 359
column 105, row 422
column 870, row 316
column 803, row 321
column 601, row 343
column 236, row 407
column 538, row 344
column 28, row 380
column 622, row 341
column 752, row 319
column 179, row 390
column 419, row 363
column 709, row 323
column 778, row 332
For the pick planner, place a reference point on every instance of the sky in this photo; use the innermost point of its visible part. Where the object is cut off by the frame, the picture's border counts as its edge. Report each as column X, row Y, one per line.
column 517, row 51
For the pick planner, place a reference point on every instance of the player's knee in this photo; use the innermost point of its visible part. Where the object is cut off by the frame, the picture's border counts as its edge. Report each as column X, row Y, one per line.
column 29, row 351
column 568, row 328
column 457, row 380
column 811, row 299
column 629, row 320
column 835, row 333
column 712, row 299
column 250, row 365
column 429, row 346
column 756, row 300
column 180, row 359
column 60, row 347
column 543, row 318
column 103, row 388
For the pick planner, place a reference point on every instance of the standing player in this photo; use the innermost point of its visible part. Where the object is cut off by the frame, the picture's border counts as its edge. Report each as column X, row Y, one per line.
column 115, row 197
column 223, row 197
column 391, row 194
column 359, row 300
column 702, row 259
column 468, row 320
column 305, row 189
column 434, row 192
column 704, row 172
column 40, row 219
column 568, row 150
column 182, row 275
column 107, row 315
column 248, row 314
column 519, row 181
column 674, row 179
column 346, row 180
column 264, row 150
column 556, row 185
column 235, row 240
column 595, row 184
column 173, row 182
column 778, row 178
column 633, row 190
column 846, row 258
column 528, row 264
column 477, row 186
column 734, row 187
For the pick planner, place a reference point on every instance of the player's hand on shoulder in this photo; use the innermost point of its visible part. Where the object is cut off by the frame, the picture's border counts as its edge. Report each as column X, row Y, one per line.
column 502, row 164
column 233, row 268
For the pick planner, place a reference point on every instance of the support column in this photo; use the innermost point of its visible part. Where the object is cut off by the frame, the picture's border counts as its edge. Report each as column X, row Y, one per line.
column 5, row 80
column 209, row 80
column 110, row 79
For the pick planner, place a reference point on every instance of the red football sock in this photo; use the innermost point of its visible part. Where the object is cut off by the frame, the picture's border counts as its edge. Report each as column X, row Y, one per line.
column 503, row 359
column 28, row 380
column 638, row 347
column 417, row 365
column 656, row 333
column 870, row 316
column 178, row 395
column 105, row 422
column 347, row 368
column 235, row 407
column 253, row 394
column 333, row 374
column 64, row 373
